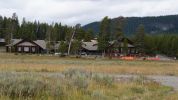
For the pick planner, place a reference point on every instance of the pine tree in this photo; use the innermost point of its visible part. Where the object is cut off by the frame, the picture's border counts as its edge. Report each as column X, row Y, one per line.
column 80, row 33
column 7, row 30
column 55, row 33
column 88, row 35
column 24, row 29
column 76, row 46
column 104, row 35
column 48, row 39
column 118, row 29
column 125, row 46
column 1, row 27
column 14, row 25
column 140, row 38
column 63, row 47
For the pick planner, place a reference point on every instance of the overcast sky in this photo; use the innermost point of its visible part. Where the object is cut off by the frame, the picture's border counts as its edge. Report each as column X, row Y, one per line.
column 71, row 12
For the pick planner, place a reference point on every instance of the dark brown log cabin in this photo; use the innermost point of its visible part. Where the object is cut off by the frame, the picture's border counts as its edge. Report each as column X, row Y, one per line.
column 26, row 46
column 116, row 48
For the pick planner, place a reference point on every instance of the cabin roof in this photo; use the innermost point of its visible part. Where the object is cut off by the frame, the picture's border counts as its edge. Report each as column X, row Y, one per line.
column 14, row 42
column 92, row 46
column 120, row 42
column 40, row 43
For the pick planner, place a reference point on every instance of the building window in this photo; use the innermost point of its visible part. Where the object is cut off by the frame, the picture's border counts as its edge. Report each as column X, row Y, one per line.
column 19, row 49
column 132, row 50
column 26, row 49
column 33, row 49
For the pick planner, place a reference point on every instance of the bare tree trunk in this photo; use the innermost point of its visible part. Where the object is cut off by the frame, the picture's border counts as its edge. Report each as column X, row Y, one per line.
column 70, row 43
column 103, row 54
column 77, row 26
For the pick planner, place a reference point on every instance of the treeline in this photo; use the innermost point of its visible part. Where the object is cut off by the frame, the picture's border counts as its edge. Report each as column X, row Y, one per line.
column 162, row 44
column 155, row 44
column 12, row 28
column 145, row 43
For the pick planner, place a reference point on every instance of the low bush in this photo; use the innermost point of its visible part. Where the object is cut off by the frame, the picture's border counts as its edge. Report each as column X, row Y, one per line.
column 105, row 80
column 22, row 87
column 139, row 90
column 76, row 85
column 81, row 83
column 75, row 73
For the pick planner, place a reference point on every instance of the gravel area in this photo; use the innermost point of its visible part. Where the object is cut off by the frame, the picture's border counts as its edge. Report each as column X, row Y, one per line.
column 171, row 81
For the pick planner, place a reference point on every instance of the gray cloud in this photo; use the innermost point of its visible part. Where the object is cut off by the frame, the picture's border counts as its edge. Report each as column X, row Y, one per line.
column 84, row 11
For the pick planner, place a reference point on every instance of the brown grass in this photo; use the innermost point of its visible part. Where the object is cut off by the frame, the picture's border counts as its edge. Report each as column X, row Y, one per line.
column 36, row 63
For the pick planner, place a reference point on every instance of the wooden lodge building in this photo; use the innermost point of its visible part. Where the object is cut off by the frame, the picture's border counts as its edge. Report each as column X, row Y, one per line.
column 90, row 48
column 115, row 49
column 26, row 46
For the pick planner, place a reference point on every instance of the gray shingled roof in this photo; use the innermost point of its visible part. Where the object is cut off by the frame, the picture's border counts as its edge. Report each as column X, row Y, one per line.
column 121, row 44
column 41, row 43
column 14, row 41
column 26, row 44
column 57, row 45
column 92, row 46
column 128, row 45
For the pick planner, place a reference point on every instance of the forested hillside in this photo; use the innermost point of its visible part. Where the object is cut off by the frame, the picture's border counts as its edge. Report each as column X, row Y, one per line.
column 153, row 25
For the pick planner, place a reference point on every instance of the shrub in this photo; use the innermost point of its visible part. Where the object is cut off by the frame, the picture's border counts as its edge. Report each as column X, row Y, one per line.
column 83, row 86
column 98, row 95
column 78, row 78
column 22, row 87
column 106, row 80
column 141, row 80
column 57, row 92
column 81, row 83
column 139, row 90
column 76, row 73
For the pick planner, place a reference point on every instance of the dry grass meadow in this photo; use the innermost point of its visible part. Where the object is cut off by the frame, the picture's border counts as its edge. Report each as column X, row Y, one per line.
column 34, row 77
column 34, row 63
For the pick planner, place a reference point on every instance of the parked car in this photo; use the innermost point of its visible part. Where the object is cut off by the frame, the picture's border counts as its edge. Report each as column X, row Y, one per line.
column 83, row 54
column 57, row 54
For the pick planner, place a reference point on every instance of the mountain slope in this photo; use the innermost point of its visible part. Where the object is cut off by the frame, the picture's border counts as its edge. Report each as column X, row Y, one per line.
column 153, row 25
